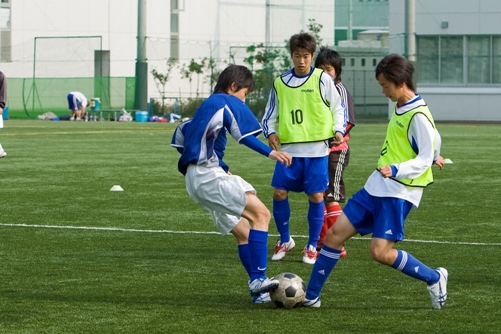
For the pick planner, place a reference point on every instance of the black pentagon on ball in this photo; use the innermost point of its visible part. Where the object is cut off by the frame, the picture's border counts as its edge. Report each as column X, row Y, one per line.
column 290, row 291
column 289, row 275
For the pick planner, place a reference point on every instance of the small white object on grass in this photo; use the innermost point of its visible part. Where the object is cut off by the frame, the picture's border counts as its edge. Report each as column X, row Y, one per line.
column 116, row 188
column 448, row 161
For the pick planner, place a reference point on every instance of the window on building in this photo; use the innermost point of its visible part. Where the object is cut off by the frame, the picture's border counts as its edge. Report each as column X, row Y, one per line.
column 459, row 60
column 451, row 59
column 479, row 50
column 496, row 59
column 343, row 61
column 362, row 62
column 374, row 62
column 352, row 62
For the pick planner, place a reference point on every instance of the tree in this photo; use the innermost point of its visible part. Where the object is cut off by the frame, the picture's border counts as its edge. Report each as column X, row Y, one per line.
column 162, row 79
column 194, row 68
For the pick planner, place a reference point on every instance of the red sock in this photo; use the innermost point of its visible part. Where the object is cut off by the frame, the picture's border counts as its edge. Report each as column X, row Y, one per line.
column 333, row 213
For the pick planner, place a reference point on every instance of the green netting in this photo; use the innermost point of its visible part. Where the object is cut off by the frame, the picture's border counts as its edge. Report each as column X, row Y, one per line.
column 29, row 98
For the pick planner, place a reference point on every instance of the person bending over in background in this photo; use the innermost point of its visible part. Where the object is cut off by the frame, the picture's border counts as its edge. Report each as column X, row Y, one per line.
column 77, row 103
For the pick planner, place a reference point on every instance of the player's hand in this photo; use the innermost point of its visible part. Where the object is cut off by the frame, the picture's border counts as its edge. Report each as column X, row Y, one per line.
column 282, row 157
column 338, row 139
column 274, row 142
column 440, row 162
column 385, row 171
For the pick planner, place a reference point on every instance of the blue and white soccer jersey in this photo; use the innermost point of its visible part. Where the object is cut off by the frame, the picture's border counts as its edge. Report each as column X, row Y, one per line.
column 205, row 138
column 76, row 100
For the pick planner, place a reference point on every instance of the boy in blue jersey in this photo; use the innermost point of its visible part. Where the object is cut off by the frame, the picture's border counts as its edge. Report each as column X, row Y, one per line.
column 308, row 110
column 331, row 63
column 231, row 201
column 411, row 146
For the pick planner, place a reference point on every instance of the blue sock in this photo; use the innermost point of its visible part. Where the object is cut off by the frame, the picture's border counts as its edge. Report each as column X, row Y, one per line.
column 245, row 257
column 315, row 222
column 410, row 266
column 258, row 249
column 326, row 261
column 282, row 214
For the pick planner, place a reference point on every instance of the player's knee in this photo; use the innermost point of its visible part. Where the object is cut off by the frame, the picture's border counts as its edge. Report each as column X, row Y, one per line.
column 333, row 239
column 279, row 194
column 380, row 256
column 264, row 215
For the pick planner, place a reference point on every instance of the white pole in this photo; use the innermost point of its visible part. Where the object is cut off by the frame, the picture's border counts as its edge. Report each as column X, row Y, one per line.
column 350, row 20
column 411, row 30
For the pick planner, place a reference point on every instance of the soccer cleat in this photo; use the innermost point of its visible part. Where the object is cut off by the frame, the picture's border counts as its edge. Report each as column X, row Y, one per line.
column 262, row 298
column 262, row 285
column 312, row 303
column 282, row 249
column 310, row 255
column 2, row 152
column 438, row 291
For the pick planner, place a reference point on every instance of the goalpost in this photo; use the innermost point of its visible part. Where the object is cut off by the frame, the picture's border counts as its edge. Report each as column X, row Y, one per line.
column 56, row 59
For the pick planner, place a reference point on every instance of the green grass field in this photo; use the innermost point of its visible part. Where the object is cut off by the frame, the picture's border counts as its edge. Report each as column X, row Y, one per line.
column 77, row 258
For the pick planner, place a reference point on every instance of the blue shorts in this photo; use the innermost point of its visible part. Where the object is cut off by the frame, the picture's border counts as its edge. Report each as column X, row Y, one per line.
column 73, row 103
column 310, row 175
column 384, row 217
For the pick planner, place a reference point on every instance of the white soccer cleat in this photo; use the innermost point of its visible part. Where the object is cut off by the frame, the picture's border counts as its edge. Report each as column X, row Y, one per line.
column 262, row 285
column 310, row 255
column 312, row 303
column 262, row 298
column 438, row 291
column 282, row 249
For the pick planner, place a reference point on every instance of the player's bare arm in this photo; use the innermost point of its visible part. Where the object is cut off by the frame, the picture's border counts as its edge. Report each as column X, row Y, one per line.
column 274, row 141
column 282, row 157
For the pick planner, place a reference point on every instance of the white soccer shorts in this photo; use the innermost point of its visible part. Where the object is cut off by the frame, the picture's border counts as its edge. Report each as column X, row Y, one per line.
column 223, row 195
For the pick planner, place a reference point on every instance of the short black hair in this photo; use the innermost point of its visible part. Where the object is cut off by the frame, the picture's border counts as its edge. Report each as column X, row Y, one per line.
column 330, row 57
column 396, row 69
column 302, row 41
column 238, row 74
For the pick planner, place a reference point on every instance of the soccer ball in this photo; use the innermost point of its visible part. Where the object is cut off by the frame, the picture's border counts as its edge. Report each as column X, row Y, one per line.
column 290, row 292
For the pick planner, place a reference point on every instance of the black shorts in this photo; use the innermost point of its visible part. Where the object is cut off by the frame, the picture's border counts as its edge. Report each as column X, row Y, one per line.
column 338, row 161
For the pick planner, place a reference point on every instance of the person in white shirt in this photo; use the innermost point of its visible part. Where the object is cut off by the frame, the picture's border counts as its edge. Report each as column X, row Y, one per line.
column 411, row 146
column 77, row 103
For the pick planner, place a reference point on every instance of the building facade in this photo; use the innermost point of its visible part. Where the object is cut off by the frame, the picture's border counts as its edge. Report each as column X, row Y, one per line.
column 458, row 55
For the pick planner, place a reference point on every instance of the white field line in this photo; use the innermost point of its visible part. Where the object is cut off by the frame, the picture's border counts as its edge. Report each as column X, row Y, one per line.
column 198, row 232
